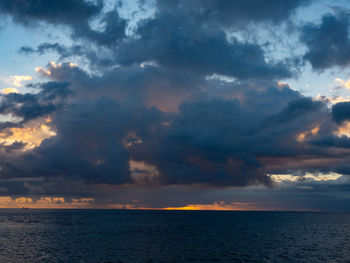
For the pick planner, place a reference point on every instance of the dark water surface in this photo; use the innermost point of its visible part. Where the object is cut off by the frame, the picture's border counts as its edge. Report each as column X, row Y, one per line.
column 172, row 236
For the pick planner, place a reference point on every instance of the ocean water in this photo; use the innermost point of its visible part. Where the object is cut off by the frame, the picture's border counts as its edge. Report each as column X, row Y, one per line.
column 172, row 236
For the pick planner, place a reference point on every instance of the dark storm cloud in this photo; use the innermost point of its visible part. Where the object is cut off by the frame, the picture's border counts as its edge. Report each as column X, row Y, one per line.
column 7, row 124
column 30, row 106
column 277, row 134
column 296, row 109
column 90, row 143
column 180, row 42
column 200, row 147
column 15, row 146
column 341, row 111
column 175, row 37
column 328, row 43
column 113, row 31
column 211, row 141
column 75, row 14
column 235, row 13
column 52, row 11
column 332, row 141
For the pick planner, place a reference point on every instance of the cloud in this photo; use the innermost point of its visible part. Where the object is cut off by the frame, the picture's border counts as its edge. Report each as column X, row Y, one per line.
column 177, row 42
column 341, row 111
column 112, row 32
column 45, row 202
column 328, row 43
column 308, row 176
column 216, row 139
column 233, row 13
column 62, row 50
column 56, row 12
column 186, row 103
column 98, row 154
column 16, row 80
column 74, row 14
column 9, row 90
column 333, row 99
column 196, row 46
column 217, row 154
column 343, row 129
column 343, row 83
column 29, row 106
column 27, row 137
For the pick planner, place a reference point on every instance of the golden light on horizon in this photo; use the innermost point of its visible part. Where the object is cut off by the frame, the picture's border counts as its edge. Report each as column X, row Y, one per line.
column 45, row 202
column 218, row 206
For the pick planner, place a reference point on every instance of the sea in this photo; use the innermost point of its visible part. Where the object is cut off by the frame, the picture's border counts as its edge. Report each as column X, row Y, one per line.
column 172, row 236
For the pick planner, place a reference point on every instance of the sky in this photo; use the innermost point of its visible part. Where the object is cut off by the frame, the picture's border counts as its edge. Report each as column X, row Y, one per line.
column 175, row 104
